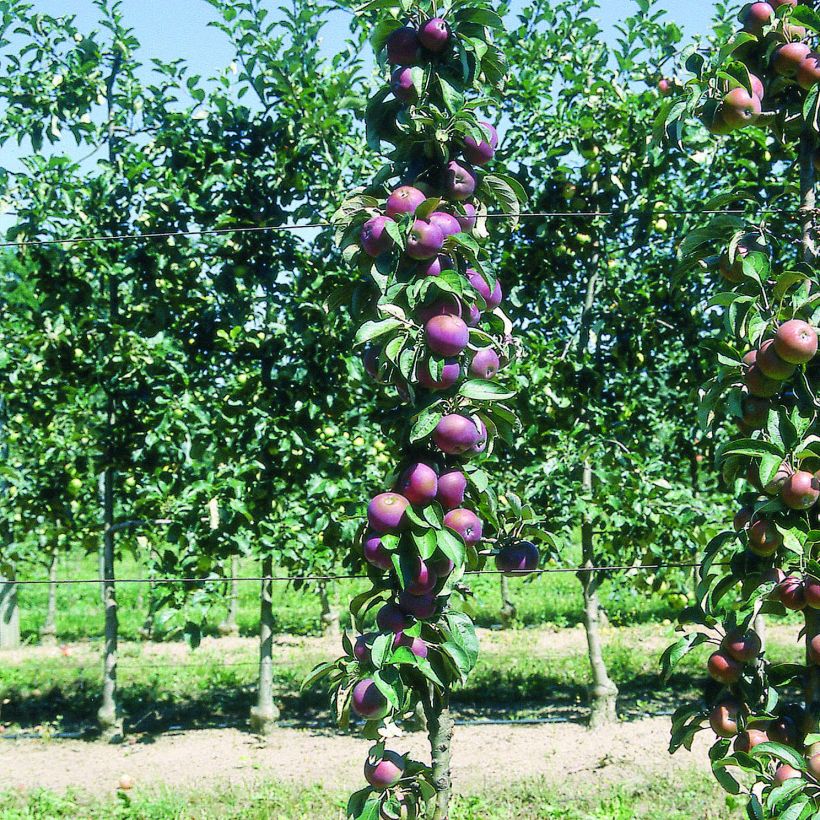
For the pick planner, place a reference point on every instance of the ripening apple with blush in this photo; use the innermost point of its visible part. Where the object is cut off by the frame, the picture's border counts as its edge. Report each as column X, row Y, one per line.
column 796, row 342
column 723, row 668
column 757, row 16
column 800, row 490
column 743, row 646
column 740, row 108
column 723, row 718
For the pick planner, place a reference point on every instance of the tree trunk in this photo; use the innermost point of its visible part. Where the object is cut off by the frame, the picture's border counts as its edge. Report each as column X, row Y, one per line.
column 108, row 713
column 440, row 733
column 265, row 714
column 508, row 612
column 759, row 626
column 48, row 632
column 9, row 611
column 807, row 205
column 603, row 692
column 230, row 626
column 330, row 613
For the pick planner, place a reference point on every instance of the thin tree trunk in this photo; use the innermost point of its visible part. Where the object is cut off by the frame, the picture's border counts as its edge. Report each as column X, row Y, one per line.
column 9, row 611
column 759, row 626
column 807, row 205
column 603, row 692
column 508, row 611
column 108, row 713
column 330, row 614
column 48, row 632
column 440, row 733
column 230, row 626
column 265, row 714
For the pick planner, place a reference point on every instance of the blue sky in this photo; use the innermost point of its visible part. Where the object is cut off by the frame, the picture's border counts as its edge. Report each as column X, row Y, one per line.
column 179, row 28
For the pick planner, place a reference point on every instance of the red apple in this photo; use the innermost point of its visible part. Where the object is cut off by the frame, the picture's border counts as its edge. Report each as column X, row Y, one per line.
column 723, row 668
column 800, row 490
column 796, row 341
column 770, row 364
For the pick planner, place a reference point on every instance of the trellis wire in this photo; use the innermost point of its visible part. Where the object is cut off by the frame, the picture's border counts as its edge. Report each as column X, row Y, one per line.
column 315, row 225
column 286, row 578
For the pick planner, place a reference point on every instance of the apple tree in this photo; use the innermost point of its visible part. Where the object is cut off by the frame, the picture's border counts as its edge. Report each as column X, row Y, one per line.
column 438, row 342
column 761, row 406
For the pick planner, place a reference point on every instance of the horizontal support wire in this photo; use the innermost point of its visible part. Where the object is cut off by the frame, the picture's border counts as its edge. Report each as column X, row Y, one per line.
column 286, row 578
column 315, row 225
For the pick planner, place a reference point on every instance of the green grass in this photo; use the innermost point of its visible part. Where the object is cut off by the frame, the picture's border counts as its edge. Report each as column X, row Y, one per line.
column 691, row 796
column 553, row 599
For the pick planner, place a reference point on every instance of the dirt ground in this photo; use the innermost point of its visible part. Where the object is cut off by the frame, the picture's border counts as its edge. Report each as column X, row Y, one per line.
column 562, row 753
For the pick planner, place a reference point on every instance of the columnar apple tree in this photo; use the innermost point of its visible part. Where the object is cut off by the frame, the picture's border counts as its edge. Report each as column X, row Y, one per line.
column 764, row 714
column 436, row 339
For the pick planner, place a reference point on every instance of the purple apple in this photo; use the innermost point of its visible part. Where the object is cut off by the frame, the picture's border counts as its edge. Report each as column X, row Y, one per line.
column 386, row 512
column 386, row 772
column 446, row 306
column 416, row 645
column 404, row 200
column 446, row 223
column 361, row 648
column 418, row 484
column 442, row 567
column 520, row 558
column 455, row 434
column 368, row 702
column 423, row 580
column 450, row 374
column 446, row 335
column 434, row 35
column 403, row 47
column 485, row 363
column 460, row 182
column 492, row 298
column 467, row 221
column 480, row 153
column 452, row 486
column 481, row 445
column 434, row 266
column 370, row 359
column 424, row 240
column 374, row 236
column 466, row 523
column 391, row 619
column 473, row 316
column 402, row 86
column 374, row 551
column 419, row 606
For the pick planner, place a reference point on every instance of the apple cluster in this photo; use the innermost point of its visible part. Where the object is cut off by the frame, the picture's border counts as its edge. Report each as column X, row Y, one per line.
column 775, row 63
column 440, row 339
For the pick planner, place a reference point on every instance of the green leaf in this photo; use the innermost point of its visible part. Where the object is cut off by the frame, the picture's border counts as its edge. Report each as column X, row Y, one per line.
column 425, row 423
column 453, row 99
column 484, row 390
column 452, row 546
column 374, row 329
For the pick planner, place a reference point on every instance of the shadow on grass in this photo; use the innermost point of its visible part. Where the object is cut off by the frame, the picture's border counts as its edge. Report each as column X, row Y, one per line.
column 148, row 712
